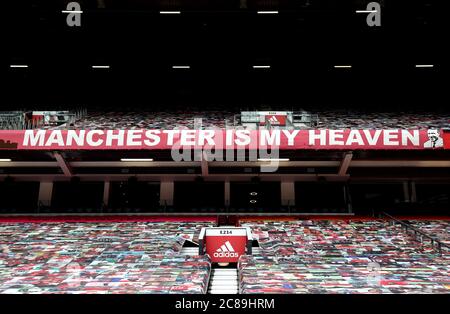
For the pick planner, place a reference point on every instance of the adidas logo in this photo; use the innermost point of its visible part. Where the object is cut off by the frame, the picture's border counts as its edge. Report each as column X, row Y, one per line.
column 226, row 250
column 274, row 119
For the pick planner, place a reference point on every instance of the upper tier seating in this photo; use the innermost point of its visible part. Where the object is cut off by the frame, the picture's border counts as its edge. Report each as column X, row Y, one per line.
column 330, row 119
column 228, row 118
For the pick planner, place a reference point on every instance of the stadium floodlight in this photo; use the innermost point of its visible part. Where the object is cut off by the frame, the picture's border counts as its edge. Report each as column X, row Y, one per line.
column 100, row 66
column 136, row 159
column 342, row 66
column 261, row 66
column 273, row 159
column 72, row 11
column 18, row 66
column 5, row 160
column 424, row 66
column 253, row 193
column 169, row 12
column 267, row 12
column 181, row 67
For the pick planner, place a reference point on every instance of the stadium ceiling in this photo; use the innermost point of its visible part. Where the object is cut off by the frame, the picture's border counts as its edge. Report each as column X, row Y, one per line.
column 325, row 166
column 221, row 51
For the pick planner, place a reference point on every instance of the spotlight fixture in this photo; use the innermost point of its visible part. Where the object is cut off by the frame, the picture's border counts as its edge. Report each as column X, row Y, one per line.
column 342, row 66
column 72, row 11
column 181, row 67
column 267, row 12
column 100, row 66
column 272, row 159
column 136, row 159
column 366, row 11
column 169, row 12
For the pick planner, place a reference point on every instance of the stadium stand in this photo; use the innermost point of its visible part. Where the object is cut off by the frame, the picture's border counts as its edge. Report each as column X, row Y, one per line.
column 222, row 118
column 153, row 120
column 437, row 229
column 27, row 120
column 329, row 119
column 12, row 120
column 108, row 257
column 373, row 120
column 340, row 257
column 87, row 210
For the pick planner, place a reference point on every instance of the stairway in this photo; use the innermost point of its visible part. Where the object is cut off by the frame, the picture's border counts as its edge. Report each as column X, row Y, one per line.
column 189, row 251
column 223, row 281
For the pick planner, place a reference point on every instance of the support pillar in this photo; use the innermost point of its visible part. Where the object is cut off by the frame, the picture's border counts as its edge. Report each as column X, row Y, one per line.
column 106, row 193
column 45, row 193
column 406, row 194
column 227, row 194
column 166, row 193
column 287, row 193
column 413, row 192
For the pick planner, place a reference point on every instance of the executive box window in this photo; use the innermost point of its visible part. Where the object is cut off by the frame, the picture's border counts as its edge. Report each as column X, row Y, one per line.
column 321, row 197
column 20, row 197
column 255, row 195
column 77, row 195
column 433, row 196
column 132, row 194
column 382, row 196
column 199, row 195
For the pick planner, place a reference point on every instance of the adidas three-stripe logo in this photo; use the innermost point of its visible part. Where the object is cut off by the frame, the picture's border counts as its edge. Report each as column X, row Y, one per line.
column 226, row 250
column 226, row 247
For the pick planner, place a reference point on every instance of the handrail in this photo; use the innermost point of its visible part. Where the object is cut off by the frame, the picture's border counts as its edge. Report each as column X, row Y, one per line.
column 417, row 231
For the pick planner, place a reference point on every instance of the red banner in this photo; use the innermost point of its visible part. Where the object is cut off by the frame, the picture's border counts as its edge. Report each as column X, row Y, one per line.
column 446, row 139
column 222, row 139
column 225, row 245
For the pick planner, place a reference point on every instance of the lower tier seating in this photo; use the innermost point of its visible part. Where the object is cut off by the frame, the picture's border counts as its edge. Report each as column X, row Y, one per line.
column 132, row 257
column 341, row 257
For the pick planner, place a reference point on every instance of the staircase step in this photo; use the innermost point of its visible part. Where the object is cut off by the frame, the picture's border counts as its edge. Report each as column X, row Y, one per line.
column 224, row 276
column 223, row 292
column 219, row 287
column 231, row 282
column 224, row 281
column 189, row 251
column 225, row 270
column 228, row 279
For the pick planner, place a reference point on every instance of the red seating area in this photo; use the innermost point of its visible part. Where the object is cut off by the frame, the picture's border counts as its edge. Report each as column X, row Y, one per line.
column 337, row 256
column 328, row 119
column 101, row 257
column 222, row 118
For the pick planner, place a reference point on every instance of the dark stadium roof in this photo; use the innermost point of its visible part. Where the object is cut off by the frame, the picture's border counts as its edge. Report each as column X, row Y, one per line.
column 305, row 165
column 221, row 41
